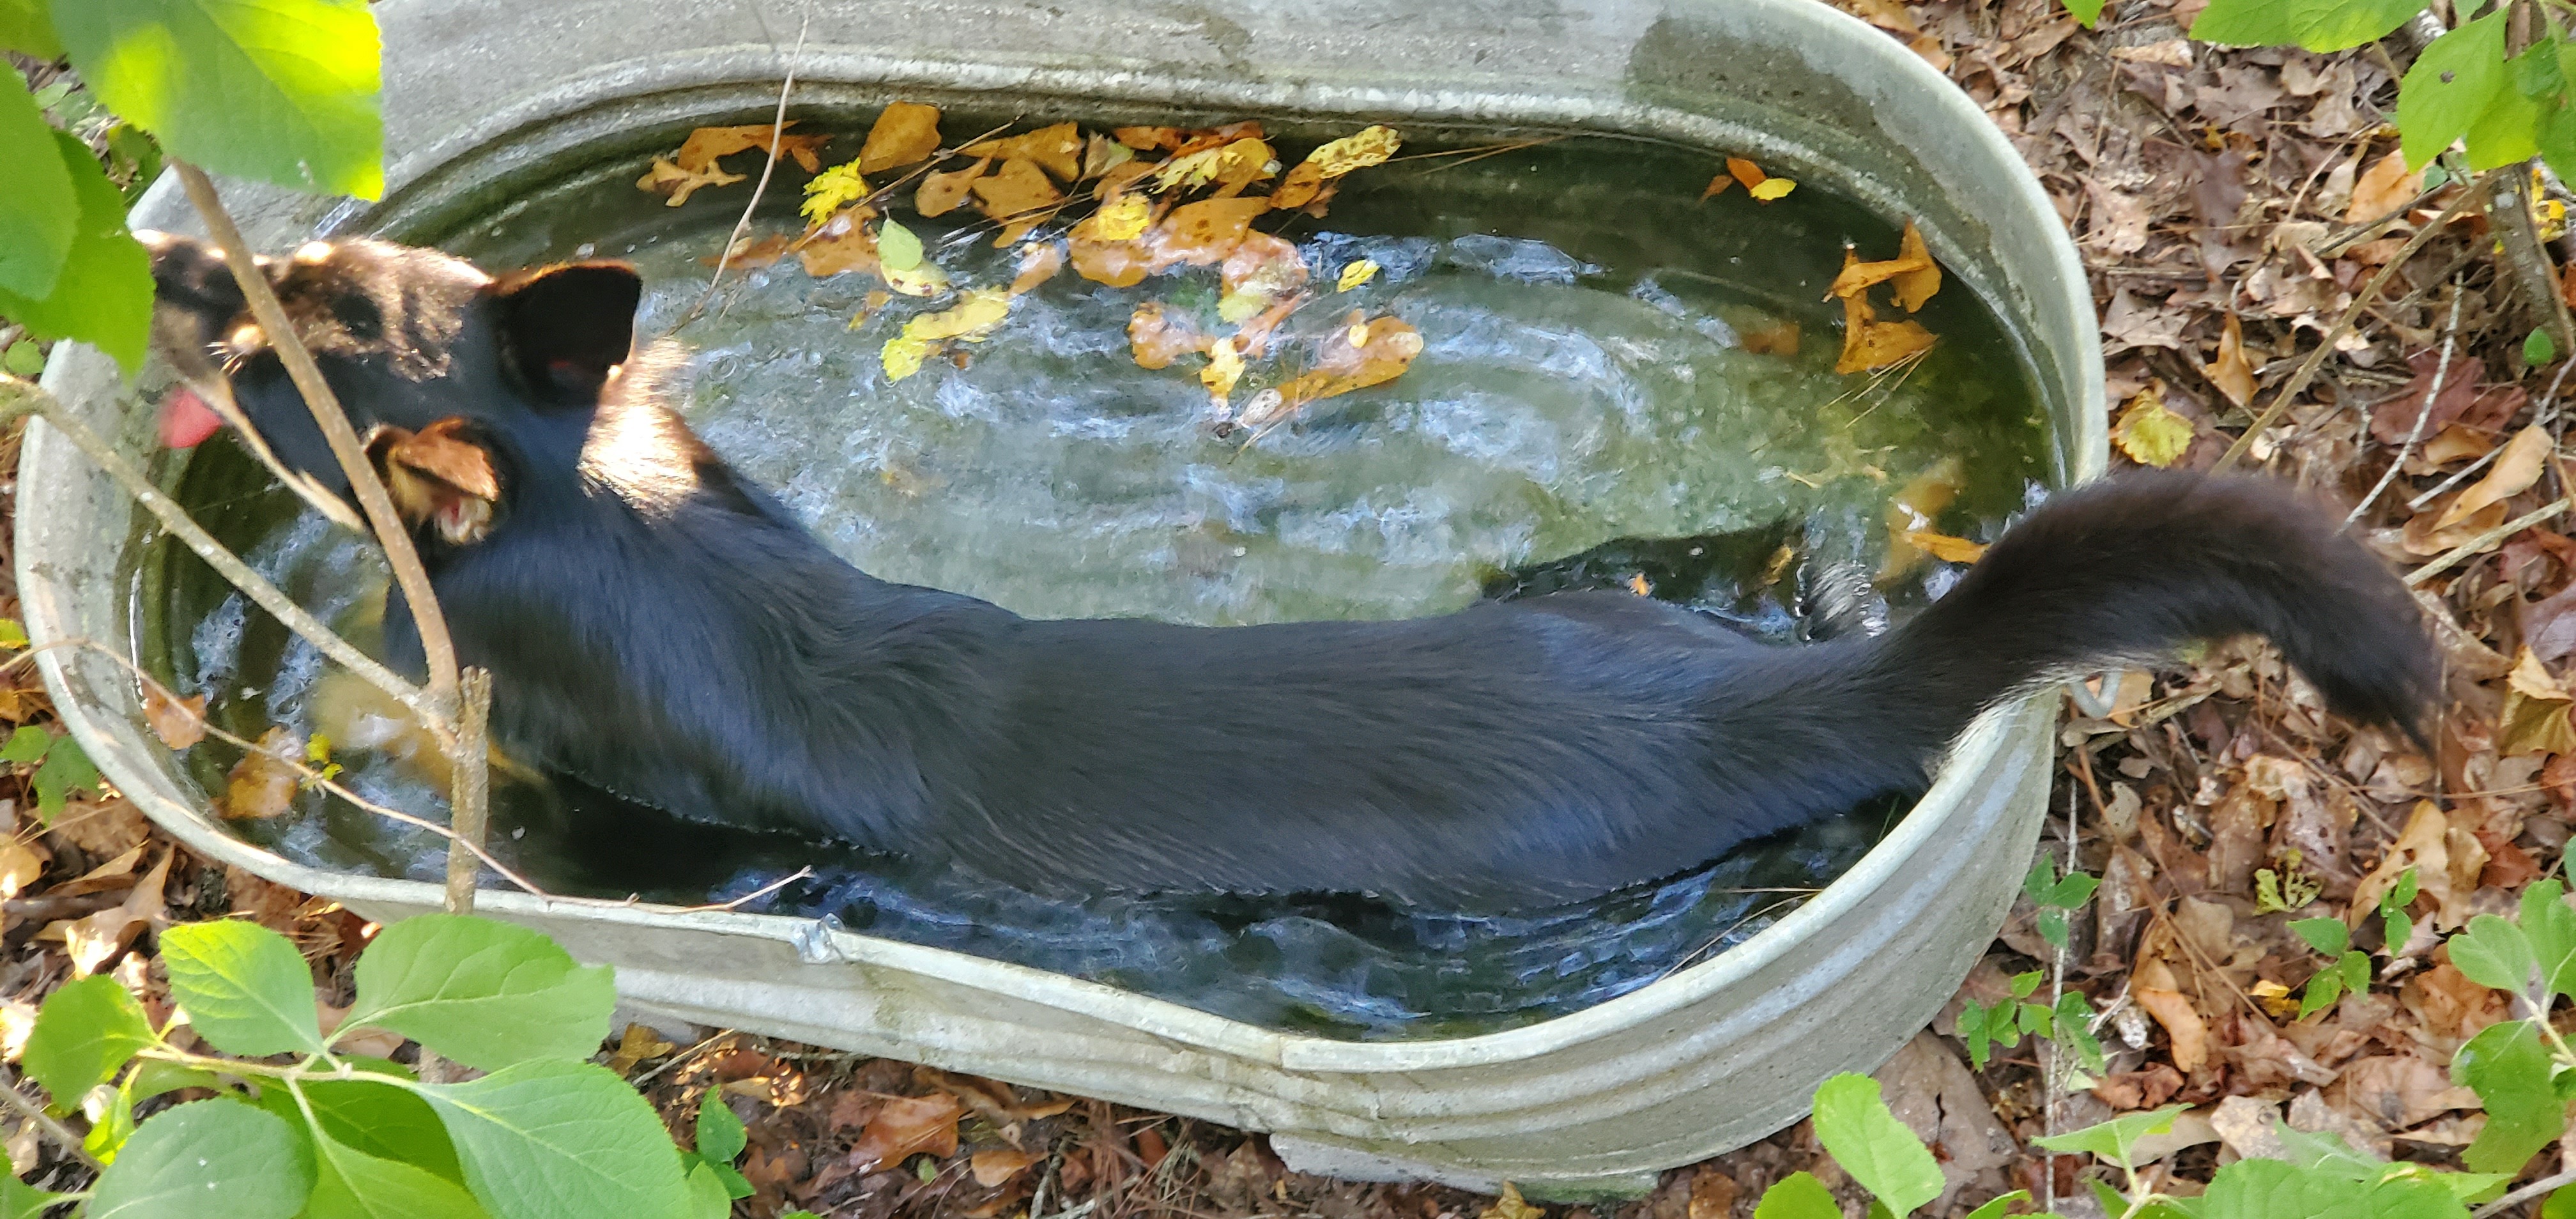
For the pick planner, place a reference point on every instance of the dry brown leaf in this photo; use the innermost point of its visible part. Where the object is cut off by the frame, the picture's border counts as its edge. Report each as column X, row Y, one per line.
column 638, row 1044
column 1510, row 1205
column 2401, row 1090
column 699, row 152
column 905, row 133
column 1119, row 264
column 2421, row 538
column 752, row 252
column 1775, row 340
column 2383, row 188
column 907, row 1126
column 261, row 785
column 2182, row 1024
column 21, row 864
column 93, row 941
column 994, row 1167
column 1018, row 189
column 2535, row 715
column 1147, row 139
column 664, row 178
column 1857, row 276
column 1920, row 283
column 941, row 193
column 2230, row 372
column 179, row 722
column 1100, row 154
column 1202, row 234
column 2515, row 470
column 2424, row 846
column 2456, row 443
column 841, row 244
column 1056, row 149
column 1878, row 344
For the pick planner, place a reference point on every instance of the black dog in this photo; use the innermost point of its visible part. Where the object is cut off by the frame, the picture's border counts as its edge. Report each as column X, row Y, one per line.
column 662, row 629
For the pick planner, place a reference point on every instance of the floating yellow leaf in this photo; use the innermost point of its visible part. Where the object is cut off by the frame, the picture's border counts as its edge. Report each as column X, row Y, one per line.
column 1235, row 307
column 1366, row 147
column 1869, row 343
column 1355, row 273
column 1225, row 367
column 1194, row 169
column 923, row 280
column 978, row 312
column 902, row 356
column 941, row 193
column 832, row 190
column 665, row 178
column 1121, row 219
column 905, row 133
column 2149, row 433
column 1244, row 162
column 1772, row 189
column 1942, row 546
column 1056, row 149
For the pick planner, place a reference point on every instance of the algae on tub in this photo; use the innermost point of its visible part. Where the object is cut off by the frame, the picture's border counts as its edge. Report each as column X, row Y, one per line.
column 1581, row 381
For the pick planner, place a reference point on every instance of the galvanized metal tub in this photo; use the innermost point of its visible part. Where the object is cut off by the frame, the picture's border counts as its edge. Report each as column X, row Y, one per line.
column 482, row 96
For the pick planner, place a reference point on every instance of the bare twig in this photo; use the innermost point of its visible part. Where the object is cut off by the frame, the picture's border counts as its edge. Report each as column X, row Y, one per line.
column 470, row 788
column 2535, row 276
column 33, row 1112
column 20, row 397
column 777, row 129
column 2441, row 373
column 2479, row 543
column 217, row 393
column 2307, row 369
column 753, row 896
column 2537, row 1188
column 389, row 529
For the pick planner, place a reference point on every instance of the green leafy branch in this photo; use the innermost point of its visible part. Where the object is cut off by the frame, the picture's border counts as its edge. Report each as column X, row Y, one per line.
column 297, row 1125
column 2069, row 1019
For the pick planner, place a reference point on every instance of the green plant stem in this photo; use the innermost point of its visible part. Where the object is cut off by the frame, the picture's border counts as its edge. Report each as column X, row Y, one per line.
column 391, row 534
column 26, row 398
column 52, row 1129
column 2307, row 370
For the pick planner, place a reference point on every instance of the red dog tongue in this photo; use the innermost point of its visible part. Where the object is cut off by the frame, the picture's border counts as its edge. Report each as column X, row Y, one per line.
column 186, row 420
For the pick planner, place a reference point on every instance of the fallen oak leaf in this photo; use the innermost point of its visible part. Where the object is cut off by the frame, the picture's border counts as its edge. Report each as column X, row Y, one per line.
column 904, row 132
column 904, row 1127
column 2516, row 469
column 2183, row 1025
column 639, row 1043
column 2383, row 188
column 2535, row 715
column 179, row 722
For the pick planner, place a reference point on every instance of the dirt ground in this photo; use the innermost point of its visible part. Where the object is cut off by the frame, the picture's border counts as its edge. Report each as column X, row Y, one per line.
column 2232, row 207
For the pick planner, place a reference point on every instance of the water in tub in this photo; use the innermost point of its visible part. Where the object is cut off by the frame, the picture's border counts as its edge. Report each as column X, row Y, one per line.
column 1584, row 388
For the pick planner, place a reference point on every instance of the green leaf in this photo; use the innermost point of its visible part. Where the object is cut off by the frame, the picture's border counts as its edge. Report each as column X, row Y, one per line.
column 1972, row 1030
column 897, row 248
column 1798, row 1196
column 2273, row 1189
column 2507, row 132
column 2326, row 935
column 1870, row 1144
column 707, row 1196
column 739, row 1186
column 720, row 1133
column 2540, row 72
column 2450, row 87
column 27, row 744
column 2509, row 1068
column 484, row 993
column 246, row 988
column 215, row 1159
column 2561, row 1205
column 2493, row 952
column 380, row 1118
column 2023, row 984
column 2549, row 926
column 2356, row 971
column 2074, row 1013
column 85, row 1031
column 2052, row 926
column 66, row 770
column 2086, row 11
column 152, row 1077
column 280, row 90
column 27, row 28
column 2323, row 989
column 104, row 297
column 36, row 227
column 19, row 1200
column 2338, row 25
column 2113, row 1139
column 2246, row 23
column 350, row 1184
column 1994, row 1208
column 111, row 1121
column 23, row 359
column 559, row 1140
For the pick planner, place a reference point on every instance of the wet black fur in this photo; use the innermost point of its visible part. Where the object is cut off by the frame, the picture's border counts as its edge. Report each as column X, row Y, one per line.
column 702, row 653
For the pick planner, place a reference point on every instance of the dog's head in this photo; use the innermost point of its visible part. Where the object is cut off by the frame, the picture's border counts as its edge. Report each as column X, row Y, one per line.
column 451, row 377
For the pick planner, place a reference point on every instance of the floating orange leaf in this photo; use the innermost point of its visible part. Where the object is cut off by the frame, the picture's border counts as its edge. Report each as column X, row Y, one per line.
column 905, row 133
column 1869, row 344
column 665, row 178
column 1119, row 264
column 1917, row 284
column 1202, row 234
column 1157, row 337
column 179, row 722
column 1038, row 263
column 1717, row 185
column 941, row 193
column 705, row 144
column 758, row 251
column 1746, row 172
column 1019, row 189
column 1261, row 269
column 1358, row 355
column 905, row 1127
column 1944, row 547
column 1774, row 340
column 1857, row 276
column 842, row 244
column 261, row 785
column 1056, row 149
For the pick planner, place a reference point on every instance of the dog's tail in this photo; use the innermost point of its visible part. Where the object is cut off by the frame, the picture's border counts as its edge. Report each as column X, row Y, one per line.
column 2127, row 569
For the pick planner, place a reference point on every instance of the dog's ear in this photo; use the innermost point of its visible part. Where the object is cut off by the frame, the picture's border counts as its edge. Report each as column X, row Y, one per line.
column 566, row 326
column 441, row 476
